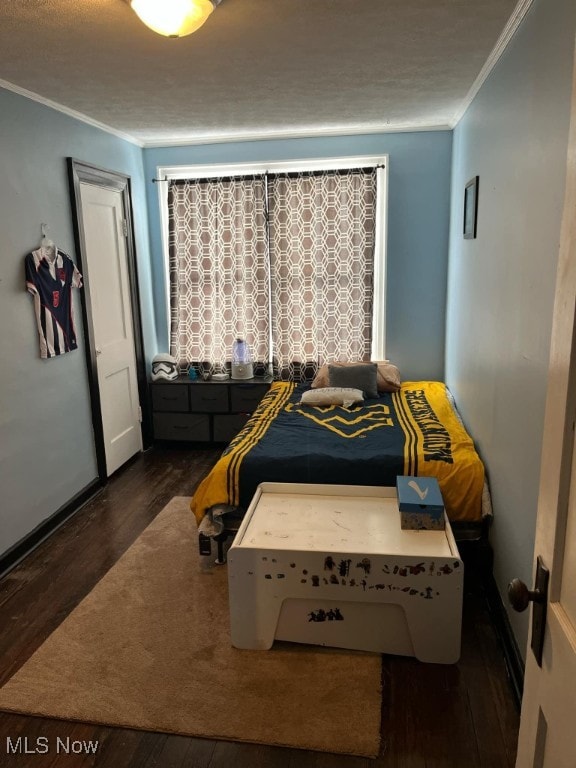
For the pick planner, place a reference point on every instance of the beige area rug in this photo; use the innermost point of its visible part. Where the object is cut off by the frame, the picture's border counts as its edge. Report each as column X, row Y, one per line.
column 149, row 648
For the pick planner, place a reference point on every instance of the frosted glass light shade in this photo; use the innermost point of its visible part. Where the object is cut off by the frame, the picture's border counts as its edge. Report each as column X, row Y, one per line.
column 173, row 18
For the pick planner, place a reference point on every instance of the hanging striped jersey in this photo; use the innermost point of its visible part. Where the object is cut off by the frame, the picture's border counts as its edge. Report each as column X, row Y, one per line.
column 50, row 276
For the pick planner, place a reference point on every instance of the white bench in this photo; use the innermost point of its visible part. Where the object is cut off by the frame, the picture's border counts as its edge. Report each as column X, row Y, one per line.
column 330, row 565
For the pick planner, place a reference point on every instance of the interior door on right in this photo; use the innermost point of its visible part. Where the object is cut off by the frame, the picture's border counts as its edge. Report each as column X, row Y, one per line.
column 547, row 736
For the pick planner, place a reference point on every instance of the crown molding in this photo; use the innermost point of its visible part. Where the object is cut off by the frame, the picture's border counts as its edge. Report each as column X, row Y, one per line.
column 193, row 140
column 298, row 134
column 508, row 33
column 67, row 111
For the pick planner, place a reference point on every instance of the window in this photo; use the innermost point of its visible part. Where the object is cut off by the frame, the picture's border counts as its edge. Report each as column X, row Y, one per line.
column 291, row 261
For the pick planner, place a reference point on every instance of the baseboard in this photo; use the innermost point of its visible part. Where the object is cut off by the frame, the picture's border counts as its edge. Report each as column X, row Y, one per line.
column 24, row 547
column 478, row 559
column 512, row 656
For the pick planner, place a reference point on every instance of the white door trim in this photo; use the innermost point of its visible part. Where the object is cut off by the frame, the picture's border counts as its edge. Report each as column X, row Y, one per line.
column 80, row 172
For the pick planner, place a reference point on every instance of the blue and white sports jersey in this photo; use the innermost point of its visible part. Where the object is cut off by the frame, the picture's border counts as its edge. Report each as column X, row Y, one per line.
column 50, row 276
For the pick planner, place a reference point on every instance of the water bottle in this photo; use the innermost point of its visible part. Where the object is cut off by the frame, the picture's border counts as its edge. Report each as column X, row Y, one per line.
column 240, row 351
column 242, row 367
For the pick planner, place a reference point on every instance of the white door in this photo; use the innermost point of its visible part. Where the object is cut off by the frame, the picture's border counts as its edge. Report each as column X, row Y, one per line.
column 547, row 736
column 108, row 283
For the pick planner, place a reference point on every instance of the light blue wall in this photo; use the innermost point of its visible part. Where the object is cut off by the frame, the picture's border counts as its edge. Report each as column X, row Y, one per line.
column 418, row 215
column 501, row 285
column 46, row 443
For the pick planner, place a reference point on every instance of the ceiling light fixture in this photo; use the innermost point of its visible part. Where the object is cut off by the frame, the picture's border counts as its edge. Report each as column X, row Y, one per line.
column 174, row 18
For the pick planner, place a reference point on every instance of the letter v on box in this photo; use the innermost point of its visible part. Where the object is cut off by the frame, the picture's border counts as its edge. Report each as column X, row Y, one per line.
column 420, row 503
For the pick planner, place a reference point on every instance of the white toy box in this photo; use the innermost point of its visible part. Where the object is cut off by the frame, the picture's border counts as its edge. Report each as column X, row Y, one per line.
column 330, row 565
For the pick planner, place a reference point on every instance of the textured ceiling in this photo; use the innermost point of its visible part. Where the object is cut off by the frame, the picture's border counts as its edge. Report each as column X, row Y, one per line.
column 257, row 67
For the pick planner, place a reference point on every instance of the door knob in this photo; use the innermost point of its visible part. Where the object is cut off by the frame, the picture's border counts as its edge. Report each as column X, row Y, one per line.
column 520, row 596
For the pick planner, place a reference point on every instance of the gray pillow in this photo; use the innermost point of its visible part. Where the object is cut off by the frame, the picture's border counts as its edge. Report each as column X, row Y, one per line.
column 364, row 377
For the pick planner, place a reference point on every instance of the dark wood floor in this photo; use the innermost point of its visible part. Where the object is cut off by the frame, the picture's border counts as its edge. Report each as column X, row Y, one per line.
column 434, row 716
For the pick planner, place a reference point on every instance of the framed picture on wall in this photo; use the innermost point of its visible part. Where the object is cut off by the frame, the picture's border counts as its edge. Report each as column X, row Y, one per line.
column 471, row 208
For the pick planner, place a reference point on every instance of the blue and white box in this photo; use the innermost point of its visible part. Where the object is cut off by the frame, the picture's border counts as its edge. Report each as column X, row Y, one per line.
column 420, row 503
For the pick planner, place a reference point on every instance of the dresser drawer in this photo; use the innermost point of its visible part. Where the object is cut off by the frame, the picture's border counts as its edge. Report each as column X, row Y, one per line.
column 227, row 426
column 209, row 398
column 170, row 397
column 245, row 397
column 186, row 426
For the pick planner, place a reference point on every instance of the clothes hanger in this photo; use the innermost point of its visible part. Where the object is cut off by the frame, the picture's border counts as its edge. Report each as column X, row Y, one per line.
column 46, row 243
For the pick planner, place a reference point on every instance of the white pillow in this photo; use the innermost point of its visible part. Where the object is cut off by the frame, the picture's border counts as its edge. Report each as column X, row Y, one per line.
column 345, row 396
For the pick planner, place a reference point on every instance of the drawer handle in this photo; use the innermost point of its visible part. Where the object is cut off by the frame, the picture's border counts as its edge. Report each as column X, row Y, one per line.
column 172, row 397
column 179, row 426
column 209, row 399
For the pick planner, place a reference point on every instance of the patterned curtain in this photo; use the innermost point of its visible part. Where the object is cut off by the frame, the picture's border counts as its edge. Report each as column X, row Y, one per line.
column 219, row 278
column 322, row 229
